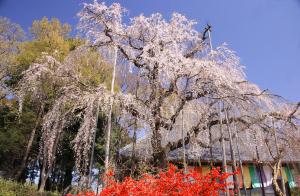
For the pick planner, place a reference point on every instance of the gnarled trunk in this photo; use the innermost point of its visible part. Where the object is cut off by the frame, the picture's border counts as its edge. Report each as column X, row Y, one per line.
column 275, row 172
column 159, row 154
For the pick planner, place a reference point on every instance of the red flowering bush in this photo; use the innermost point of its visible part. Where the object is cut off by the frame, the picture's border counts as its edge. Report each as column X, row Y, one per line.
column 171, row 182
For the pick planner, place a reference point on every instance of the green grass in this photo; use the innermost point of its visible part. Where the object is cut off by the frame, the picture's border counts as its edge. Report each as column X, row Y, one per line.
column 11, row 188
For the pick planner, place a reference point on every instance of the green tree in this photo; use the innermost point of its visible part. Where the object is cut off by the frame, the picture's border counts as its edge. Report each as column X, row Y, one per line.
column 52, row 38
column 14, row 133
column 49, row 37
column 10, row 36
column 24, row 131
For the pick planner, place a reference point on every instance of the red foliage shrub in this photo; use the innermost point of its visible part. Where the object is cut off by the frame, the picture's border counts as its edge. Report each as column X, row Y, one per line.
column 171, row 182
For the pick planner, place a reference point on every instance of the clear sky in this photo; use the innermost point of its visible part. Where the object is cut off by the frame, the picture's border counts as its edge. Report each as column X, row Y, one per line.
column 264, row 33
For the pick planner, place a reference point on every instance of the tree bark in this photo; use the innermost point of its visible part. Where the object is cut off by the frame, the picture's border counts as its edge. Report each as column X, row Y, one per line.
column 29, row 145
column 43, row 177
column 159, row 154
column 275, row 171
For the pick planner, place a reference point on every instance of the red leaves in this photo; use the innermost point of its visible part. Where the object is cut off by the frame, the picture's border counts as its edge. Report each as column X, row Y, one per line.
column 172, row 182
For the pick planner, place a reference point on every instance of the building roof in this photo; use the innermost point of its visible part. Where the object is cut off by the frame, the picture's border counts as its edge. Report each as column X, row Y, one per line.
column 194, row 152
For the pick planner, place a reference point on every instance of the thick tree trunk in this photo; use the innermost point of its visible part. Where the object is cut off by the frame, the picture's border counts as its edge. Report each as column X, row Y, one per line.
column 29, row 145
column 83, row 182
column 159, row 154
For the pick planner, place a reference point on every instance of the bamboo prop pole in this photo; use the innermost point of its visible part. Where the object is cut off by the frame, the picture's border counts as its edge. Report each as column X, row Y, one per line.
column 91, row 161
column 277, row 149
column 210, row 134
column 232, row 153
column 134, row 138
column 240, row 160
column 93, row 146
column 210, row 149
column 183, row 143
column 133, row 154
column 259, row 167
column 224, row 164
column 107, row 145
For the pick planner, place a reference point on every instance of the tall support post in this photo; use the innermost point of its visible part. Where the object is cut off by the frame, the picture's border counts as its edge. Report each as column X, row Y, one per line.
column 135, row 127
column 107, row 145
column 232, row 153
column 183, row 142
column 240, row 159
column 210, row 148
column 133, row 163
column 259, row 167
column 91, row 161
column 224, row 164
column 93, row 146
column 277, row 149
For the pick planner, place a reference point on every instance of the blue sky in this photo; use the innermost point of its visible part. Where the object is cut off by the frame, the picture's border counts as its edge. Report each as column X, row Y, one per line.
column 264, row 33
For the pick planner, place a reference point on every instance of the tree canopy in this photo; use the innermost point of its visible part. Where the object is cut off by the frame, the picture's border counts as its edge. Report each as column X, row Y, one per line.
column 168, row 76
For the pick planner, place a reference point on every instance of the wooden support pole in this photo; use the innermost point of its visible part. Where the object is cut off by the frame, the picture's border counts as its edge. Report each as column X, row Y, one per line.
column 224, row 162
column 134, row 138
column 93, row 146
column 210, row 149
column 183, row 146
column 240, row 159
column 277, row 149
column 107, row 145
column 232, row 153
column 259, row 167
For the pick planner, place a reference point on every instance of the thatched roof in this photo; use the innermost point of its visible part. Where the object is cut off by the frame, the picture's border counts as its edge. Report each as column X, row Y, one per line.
column 194, row 151
column 247, row 139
